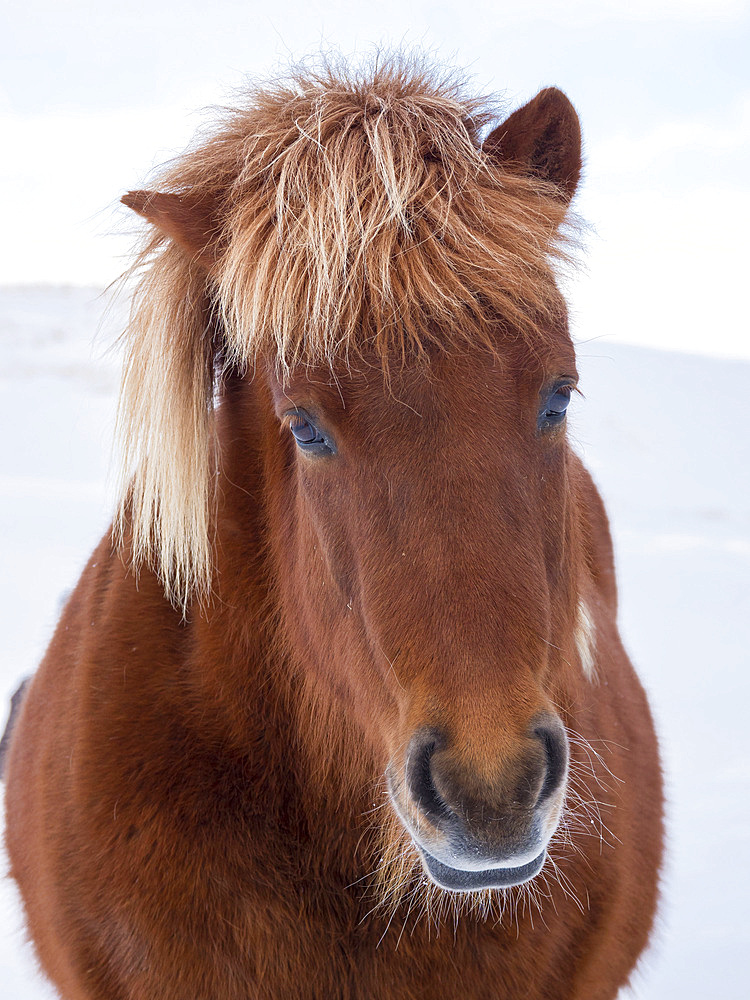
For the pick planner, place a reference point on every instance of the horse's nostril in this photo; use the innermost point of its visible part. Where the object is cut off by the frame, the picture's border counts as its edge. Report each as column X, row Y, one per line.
column 467, row 809
column 419, row 774
column 552, row 738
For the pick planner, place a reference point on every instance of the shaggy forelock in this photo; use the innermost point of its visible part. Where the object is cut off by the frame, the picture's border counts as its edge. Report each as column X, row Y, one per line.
column 365, row 213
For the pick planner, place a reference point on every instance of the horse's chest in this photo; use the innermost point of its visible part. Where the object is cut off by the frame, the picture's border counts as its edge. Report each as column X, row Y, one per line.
column 323, row 952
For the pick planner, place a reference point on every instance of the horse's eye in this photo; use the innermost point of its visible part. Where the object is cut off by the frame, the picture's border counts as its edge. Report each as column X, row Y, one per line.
column 558, row 401
column 307, row 435
column 554, row 409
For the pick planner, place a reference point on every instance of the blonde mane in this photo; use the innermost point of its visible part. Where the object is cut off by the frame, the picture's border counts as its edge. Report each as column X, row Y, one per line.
column 345, row 213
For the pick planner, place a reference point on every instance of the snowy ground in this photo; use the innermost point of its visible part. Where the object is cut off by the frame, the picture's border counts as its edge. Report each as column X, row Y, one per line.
column 666, row 438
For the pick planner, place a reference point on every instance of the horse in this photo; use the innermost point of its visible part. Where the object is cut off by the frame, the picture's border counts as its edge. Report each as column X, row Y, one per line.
column 339, row 708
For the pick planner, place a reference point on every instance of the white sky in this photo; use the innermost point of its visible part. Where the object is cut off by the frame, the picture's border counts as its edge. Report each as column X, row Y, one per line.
column 92, row 96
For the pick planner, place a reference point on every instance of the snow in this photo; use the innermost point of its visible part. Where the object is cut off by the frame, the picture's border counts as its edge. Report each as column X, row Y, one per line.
column 665, row 436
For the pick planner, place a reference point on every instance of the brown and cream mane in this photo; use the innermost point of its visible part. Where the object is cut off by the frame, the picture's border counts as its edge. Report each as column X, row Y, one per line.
column 332, row 214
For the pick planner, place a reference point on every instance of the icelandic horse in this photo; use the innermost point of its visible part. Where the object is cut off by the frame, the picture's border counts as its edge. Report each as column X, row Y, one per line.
column 339, row 708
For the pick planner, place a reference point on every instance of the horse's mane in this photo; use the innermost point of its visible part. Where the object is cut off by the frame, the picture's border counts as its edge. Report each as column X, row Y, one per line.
column 346, row 213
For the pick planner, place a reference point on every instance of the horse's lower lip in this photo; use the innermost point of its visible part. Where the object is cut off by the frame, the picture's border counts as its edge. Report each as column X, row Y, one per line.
column 459, row 880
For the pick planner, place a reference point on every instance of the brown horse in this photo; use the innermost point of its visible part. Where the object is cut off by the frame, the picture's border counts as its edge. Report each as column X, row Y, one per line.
column 342, row 711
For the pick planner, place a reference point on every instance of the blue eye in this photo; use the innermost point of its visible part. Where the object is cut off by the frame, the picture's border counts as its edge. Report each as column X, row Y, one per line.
column 307, row 435
column 555, row 407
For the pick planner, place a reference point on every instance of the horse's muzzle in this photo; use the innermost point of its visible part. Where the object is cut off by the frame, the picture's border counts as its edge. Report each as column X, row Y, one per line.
column 476, row 835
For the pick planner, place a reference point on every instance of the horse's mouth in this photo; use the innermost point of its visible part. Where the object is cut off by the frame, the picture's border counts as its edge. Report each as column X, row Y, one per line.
column 459, row 880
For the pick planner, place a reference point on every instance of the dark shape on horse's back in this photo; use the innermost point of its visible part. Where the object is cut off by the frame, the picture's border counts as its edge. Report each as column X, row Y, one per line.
column 15, row 706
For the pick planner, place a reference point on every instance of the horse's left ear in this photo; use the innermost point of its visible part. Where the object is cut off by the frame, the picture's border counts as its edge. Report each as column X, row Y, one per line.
column 543, row 138
column 189, row 221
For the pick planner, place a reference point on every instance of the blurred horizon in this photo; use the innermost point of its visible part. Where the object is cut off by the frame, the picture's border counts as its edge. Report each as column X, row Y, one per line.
column 93, row 97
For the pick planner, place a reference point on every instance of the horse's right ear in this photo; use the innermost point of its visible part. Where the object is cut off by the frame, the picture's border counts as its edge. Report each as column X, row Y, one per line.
column 189, row 221
column 542, row 139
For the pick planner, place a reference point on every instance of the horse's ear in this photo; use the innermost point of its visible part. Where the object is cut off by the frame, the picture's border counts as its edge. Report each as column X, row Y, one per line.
column 543, row 138
column 189, row 221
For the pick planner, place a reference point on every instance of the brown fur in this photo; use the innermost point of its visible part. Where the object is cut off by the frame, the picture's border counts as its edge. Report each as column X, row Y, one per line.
column 197, row 804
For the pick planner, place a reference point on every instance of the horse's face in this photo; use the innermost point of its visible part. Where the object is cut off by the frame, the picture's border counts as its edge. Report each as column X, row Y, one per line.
column 428, row 580
column 423, row 526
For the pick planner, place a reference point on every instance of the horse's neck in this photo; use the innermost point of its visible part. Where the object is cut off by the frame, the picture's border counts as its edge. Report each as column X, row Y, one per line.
column 250, row 695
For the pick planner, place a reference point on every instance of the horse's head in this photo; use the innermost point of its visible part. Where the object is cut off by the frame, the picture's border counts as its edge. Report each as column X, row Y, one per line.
column 428, row 569
column 387, row 278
